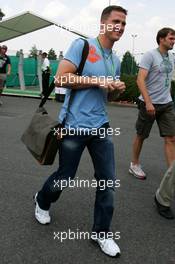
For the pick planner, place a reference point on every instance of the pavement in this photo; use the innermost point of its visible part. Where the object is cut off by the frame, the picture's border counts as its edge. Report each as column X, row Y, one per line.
column 145, row 236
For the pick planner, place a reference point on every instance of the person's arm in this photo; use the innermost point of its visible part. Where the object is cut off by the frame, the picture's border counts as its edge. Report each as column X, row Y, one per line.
column 47, row 65
column 66, row 77
column 8, row 66
column 8, row 69
column 143, row 89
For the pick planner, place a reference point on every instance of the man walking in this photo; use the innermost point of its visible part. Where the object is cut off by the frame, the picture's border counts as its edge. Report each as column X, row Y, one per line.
column 45, row 73
column 87, row 112
column 5, row 68
column 154, row 82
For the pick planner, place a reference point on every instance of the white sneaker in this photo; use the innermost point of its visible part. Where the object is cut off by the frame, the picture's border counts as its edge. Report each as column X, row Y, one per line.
column 137, row 171
column 108, row 246
column 42, row 216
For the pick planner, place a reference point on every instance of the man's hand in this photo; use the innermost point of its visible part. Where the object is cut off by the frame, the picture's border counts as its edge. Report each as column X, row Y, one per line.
column 150, row 109
column 111, row 85
column 118, row 85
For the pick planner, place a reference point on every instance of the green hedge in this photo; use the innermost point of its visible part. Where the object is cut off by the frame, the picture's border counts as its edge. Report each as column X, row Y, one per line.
column 132, row 92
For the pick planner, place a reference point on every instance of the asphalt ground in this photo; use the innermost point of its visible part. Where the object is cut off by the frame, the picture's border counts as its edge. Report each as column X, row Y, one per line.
column 145, row 237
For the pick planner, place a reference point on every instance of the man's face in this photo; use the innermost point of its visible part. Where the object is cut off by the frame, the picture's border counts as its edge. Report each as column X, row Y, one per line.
column 3, row 50
column 168, row 41
column 114, row 25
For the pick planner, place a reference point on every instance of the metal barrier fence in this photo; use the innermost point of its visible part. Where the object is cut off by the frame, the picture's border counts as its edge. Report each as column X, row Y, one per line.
column 26, row 72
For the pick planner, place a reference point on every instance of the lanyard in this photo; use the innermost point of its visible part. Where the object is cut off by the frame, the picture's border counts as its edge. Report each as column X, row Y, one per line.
column 110, row 71
column 166, row 63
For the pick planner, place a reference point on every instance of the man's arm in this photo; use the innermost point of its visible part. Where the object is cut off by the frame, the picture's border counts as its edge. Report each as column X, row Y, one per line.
column 143, row 89
column 8, row 69
column 66, row 77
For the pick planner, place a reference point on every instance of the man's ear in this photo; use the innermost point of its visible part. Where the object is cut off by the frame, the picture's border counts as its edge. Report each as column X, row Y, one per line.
column 161, row 39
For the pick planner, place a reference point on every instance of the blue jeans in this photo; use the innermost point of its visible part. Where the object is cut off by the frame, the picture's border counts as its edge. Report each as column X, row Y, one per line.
column 102, row 153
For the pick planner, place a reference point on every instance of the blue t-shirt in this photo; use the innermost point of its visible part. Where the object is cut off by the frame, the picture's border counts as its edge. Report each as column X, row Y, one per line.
column 87, row 109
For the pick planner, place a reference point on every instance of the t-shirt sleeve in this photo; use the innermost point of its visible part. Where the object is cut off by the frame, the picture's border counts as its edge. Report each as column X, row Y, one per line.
column 146, row 61
column 74, row 53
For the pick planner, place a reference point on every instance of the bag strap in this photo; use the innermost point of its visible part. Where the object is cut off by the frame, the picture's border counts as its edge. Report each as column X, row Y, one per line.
column 85, row 53
column 79, row 71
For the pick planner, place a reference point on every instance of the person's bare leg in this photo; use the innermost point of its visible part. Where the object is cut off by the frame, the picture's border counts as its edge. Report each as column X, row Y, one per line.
column 169, row 149
column 135, row 167
column 136, row 150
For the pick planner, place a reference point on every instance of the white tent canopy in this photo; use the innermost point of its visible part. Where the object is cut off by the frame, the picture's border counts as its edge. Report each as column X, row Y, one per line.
column 26, row 23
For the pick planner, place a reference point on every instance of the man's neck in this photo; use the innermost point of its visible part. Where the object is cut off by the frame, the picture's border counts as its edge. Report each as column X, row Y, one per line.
column 163, row 50
column 105, row 42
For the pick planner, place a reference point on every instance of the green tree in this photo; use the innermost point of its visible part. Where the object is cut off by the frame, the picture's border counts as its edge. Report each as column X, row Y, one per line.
column 129, row 65
column 17, row 53
column 52, row 54
column 33, row 52
column 132, row 92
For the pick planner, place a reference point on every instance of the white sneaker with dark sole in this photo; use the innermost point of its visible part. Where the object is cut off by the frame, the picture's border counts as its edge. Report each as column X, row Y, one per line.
column 108, row 246
column 42, row 216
